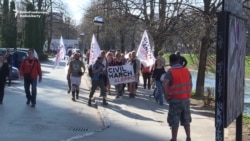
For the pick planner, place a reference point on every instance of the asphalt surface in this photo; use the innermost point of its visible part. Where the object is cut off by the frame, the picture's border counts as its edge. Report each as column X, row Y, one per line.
column 57, row 118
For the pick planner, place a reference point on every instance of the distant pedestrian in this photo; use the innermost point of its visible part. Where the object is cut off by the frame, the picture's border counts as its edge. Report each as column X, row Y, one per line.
column 182, row 60
column 75, row 73
column 177, row 85
column 87, row 56
column 15, row 60
column 30, row 70
column 69, row 59
column 157, row 72
column 8, row 59
column 160, row 56
column 4, row 73
column 146, row 75
column 97, row 80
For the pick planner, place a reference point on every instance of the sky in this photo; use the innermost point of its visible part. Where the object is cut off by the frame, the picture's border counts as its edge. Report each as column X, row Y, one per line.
column 76, row 8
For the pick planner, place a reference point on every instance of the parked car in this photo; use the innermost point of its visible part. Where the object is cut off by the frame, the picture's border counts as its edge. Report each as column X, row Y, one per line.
column 14, row 73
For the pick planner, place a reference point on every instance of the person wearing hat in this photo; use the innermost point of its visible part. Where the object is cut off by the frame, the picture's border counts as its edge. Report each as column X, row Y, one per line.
column 97, row 80
column 182, row 60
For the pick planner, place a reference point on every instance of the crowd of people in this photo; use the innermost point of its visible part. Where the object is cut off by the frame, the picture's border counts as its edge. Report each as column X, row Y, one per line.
column 30, row 72
column 174, row 84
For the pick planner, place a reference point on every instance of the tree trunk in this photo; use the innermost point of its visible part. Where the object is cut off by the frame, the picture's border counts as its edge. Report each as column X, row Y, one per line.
column 199, row 92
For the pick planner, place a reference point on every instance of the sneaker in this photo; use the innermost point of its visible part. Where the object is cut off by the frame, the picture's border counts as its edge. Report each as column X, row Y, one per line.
column 33, row 105
column 188, row 139
column 104, row 102
column 73, row 99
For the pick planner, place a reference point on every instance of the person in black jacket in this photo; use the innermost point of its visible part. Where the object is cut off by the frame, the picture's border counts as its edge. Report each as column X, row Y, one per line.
column 182, row 60
column 8, row 59
column 157, row 72
column 4, row 73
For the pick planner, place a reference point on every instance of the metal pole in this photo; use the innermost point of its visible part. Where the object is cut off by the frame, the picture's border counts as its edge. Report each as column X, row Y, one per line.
column 239, row 128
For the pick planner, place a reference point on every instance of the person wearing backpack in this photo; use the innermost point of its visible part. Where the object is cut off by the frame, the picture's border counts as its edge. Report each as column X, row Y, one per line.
column 97, row 80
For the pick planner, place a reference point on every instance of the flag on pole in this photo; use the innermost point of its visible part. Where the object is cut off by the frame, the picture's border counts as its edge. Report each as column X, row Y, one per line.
column 95, row 50
column 60, row 54
column 144, row 52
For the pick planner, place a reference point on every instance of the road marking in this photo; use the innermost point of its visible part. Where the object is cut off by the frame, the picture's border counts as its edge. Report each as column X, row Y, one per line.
column 79, row 136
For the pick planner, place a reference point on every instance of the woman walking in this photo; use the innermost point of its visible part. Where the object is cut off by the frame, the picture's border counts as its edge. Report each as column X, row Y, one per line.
column 4, row 73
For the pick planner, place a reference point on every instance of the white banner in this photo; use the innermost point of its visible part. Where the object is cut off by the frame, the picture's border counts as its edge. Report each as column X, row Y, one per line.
column 60, row 54
column 144, row 52
column 121, row 74
column 95, row 50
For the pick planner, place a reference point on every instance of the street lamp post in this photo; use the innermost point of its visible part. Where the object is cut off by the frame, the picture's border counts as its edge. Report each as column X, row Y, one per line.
column 98, row 21
column 81, row 41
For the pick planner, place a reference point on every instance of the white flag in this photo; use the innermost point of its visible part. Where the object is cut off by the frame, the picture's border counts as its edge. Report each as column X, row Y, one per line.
column 144, row 52
column 60, row 54
column 95, row 50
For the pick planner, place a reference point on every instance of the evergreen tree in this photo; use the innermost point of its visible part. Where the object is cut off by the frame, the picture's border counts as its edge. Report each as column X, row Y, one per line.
column 29, row 30
column 5, row 23
column 13, row 26
column 34, row 30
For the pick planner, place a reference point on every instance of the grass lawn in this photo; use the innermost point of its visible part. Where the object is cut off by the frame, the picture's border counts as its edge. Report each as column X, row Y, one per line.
column 193, row 62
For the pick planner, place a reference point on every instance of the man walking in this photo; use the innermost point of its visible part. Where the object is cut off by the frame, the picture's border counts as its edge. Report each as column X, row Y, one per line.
column 97, row 80
column 30, row 70
column 182, row 60
column 177, row 87
column 8, row 59
column 75, row 73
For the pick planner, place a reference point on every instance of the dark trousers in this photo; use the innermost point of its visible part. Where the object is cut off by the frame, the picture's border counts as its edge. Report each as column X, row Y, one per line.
column 10, row 75
column 1, row 91
column 95, row 84
column 31, row 96
column 119, row 89
column 69, row 83
column 146, row 80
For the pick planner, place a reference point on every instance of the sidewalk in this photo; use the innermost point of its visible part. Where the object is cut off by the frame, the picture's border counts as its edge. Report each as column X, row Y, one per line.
column 142, row 118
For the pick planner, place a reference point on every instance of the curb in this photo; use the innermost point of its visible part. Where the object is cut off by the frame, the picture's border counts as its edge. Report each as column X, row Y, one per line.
column 103, row 113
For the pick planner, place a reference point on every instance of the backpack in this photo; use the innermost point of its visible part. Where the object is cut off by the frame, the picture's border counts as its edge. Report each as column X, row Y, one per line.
column 90, row 72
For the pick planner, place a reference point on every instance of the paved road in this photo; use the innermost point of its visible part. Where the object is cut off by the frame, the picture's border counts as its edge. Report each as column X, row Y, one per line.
column 57, row 118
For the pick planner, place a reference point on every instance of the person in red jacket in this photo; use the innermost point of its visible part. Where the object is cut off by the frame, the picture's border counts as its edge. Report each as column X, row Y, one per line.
column 177, row 86
column 30, row 70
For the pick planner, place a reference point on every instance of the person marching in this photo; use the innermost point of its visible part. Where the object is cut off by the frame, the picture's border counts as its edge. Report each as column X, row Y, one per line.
column 97, row 80
column 30, row 69
column 177, row 86
column 118, row 62
column 158, row 71
column 75, row 74
column 135, row 62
